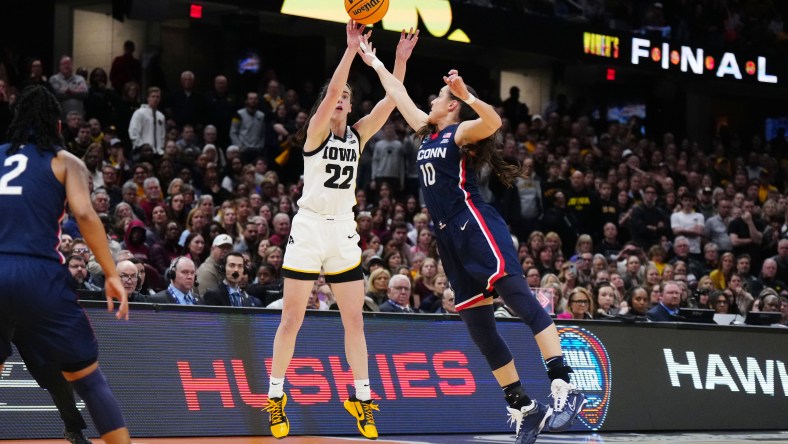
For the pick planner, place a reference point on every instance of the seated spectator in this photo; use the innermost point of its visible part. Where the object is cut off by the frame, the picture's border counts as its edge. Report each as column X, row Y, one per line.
column 447, row 302
column 533, row 277
column 636, row 303
column 605, row 301
column 579, row 305
column 721, row 275
column 668, row 307
column 208, row 274
column 433, row 301
column 424, row 283
column 229, row 292
column 266, row 287
column 768, row 278
column 720, row 302
column 181, row 289
column 79, row 273
column 377, row 286
column 194, row 248
column 130, row 279
column 398, row 295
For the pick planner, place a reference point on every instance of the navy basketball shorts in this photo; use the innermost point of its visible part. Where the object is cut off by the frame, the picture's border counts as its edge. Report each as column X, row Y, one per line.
column 37, row 305
column 476, row 250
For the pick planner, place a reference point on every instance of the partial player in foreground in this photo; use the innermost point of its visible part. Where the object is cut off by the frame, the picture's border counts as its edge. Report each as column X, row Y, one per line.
column 323, row 235
column 37, row 177
column 458, row 136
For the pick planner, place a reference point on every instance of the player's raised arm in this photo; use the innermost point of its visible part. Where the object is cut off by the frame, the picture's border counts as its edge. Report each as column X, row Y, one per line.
column 319, row 123
column 472, row 131
column 395, row 90
column 372, row 123
column 78, row 196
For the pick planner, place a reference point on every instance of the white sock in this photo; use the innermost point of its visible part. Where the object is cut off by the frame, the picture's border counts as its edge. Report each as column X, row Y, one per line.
column 276, row 387
column 362, row 389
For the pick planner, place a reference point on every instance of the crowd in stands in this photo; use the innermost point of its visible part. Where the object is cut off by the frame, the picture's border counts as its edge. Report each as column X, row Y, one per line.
column 607, row 221
column 710, row 23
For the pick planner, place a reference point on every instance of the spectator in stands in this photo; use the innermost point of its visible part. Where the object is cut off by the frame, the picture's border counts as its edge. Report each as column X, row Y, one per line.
column 125, row 68
column 181, row 289
column 711, row 258
column 716, row 229
column 147, row 125
column 768, row 278
column 721, row 276
column 781, row 259
column 377, row 285
column 610, row 246
column 194, row 248
column 636, row 303
column 739, row 297
column 681, row 247
column 562, row 221
column 689, row 223
column 432, row 302
column 229, row 293
column 281, row 225
column 580, row 305
column 186, row 105
column 668, row 307
column 398, row 295
column 208, row 274
column 71, row 89
column 447, row 302
column 130, row 278
column 247, row 130
column 746, row 232
column 648, row 223
column 720, row 303
column 220, row 105
column 388, row 161
column 77, row 266
column 605, row 300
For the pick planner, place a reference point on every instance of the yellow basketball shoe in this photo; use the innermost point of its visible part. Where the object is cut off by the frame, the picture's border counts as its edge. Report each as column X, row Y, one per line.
column 362, row 411
column 280, row 425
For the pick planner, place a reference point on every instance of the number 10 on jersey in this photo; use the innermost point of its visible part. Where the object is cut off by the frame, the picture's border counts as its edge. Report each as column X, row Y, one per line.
column 428, row 173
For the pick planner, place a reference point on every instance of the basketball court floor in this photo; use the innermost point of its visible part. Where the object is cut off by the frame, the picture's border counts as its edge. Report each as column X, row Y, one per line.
column 563, row 438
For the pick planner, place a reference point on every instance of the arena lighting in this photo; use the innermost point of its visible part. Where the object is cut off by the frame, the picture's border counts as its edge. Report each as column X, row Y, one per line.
column 435, row 15
column 195, row 11
column 611, row 74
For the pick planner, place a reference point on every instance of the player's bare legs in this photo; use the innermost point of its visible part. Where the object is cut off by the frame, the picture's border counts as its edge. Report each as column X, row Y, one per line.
column 350, row 299
column 296, row 296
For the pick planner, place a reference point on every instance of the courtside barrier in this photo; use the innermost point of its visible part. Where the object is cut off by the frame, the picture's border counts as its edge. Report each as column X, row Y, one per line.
column 202, row 371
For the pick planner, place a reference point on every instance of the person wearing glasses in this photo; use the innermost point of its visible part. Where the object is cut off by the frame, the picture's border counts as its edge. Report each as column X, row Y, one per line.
column 130, row 279
column 580, row 305
column 399, row 295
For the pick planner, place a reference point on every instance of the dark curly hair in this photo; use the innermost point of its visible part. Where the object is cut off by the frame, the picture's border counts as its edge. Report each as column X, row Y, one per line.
column 36, row 120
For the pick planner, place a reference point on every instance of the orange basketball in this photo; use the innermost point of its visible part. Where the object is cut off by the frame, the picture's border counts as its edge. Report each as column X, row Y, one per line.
column 366, row 11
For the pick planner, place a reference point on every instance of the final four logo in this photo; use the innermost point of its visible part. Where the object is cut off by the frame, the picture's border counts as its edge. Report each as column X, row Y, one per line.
column 592, row 375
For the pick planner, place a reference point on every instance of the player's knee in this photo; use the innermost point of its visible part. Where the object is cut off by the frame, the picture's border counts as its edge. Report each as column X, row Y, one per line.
column 515, row 293
column 104, row 409
column 482, row 328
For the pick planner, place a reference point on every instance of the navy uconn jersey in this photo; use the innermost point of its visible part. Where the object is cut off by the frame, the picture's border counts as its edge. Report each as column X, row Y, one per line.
column 330, row 175
column 447, row 181
column 32, row 204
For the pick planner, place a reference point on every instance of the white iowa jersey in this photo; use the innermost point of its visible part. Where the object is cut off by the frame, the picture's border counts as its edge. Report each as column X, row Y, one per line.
column 330, row 175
